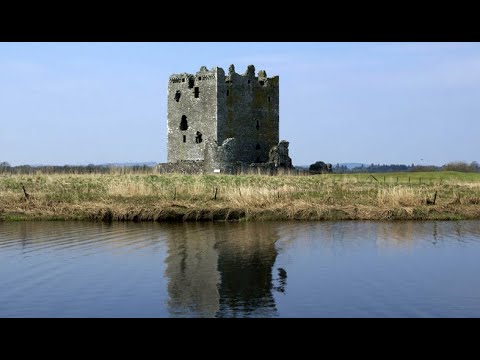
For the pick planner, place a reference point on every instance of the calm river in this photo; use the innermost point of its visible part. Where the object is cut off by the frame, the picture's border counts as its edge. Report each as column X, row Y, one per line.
column 260, row 269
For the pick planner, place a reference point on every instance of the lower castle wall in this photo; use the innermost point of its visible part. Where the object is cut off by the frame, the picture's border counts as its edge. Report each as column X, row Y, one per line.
column 222, row 159
column 238, row 168
column 184, row 167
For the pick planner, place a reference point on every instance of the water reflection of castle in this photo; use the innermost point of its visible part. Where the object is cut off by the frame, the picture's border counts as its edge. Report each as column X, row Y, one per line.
column 222, row 270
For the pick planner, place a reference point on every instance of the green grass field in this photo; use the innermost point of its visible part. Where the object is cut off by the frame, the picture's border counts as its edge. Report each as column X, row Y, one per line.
column 154, row 197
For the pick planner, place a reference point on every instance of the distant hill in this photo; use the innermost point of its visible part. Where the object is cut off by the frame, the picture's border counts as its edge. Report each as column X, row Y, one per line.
column 129, row 164
column 352, row 165
column 348, row 165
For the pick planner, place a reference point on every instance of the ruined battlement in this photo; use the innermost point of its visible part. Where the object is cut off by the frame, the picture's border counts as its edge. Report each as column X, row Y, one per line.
column 204, row 74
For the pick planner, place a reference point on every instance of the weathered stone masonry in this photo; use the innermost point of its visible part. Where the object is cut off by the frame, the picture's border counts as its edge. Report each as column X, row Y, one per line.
column 222, row 122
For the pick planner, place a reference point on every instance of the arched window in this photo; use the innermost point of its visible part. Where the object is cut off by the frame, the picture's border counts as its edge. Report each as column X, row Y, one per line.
column 198, row 138
column 177, row 95
column 183, row 123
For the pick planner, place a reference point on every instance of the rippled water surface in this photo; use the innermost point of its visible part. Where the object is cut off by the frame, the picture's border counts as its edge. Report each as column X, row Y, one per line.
column 261, row 269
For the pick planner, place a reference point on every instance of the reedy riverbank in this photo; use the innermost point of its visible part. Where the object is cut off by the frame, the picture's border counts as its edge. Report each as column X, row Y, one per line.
column 154, row 197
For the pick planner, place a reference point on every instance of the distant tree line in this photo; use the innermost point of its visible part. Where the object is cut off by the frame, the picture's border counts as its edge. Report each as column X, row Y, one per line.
column 377, row 168
column 462, row 166
column 5, row 168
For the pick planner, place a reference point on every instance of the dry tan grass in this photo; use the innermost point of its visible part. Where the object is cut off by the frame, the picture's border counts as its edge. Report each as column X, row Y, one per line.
column 177, row 197
column 127, row 188
column 400, row 196
column 250, row 196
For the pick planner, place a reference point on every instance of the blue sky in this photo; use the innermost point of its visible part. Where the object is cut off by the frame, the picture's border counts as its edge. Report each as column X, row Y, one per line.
column 401, row 103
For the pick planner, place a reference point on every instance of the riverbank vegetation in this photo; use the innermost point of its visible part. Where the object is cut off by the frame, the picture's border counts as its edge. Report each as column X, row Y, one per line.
column 173, row 197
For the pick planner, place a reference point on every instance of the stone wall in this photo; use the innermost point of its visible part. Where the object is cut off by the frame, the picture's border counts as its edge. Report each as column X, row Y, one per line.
column 232, row 168
column 279, row 155
column 221, row 158
column 249, row 108
column 183, row 167
column 209, row 107
column 192, row 113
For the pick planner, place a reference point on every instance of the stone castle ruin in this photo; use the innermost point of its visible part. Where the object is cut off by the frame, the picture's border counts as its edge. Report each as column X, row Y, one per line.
column 224, row 123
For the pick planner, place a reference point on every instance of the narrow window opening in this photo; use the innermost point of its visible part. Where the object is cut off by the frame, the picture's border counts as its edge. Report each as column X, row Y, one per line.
column 184, row 123
column 196, row 92
column 228, row 92
column 249, row 81
column 177, row 95
column 198, row 138
column 184, row 138
column 269, row 99
column 258, row 125
column 199, row 78
column 258, row 159
column 257, row 147
column 191, row 82
column 183, row 80
column 262, row 82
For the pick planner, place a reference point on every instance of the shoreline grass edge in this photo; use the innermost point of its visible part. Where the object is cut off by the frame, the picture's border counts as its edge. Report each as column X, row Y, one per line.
column 178, row 198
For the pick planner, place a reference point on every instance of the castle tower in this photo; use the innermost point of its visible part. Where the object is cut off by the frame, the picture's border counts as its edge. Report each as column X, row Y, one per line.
column 211, row 107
